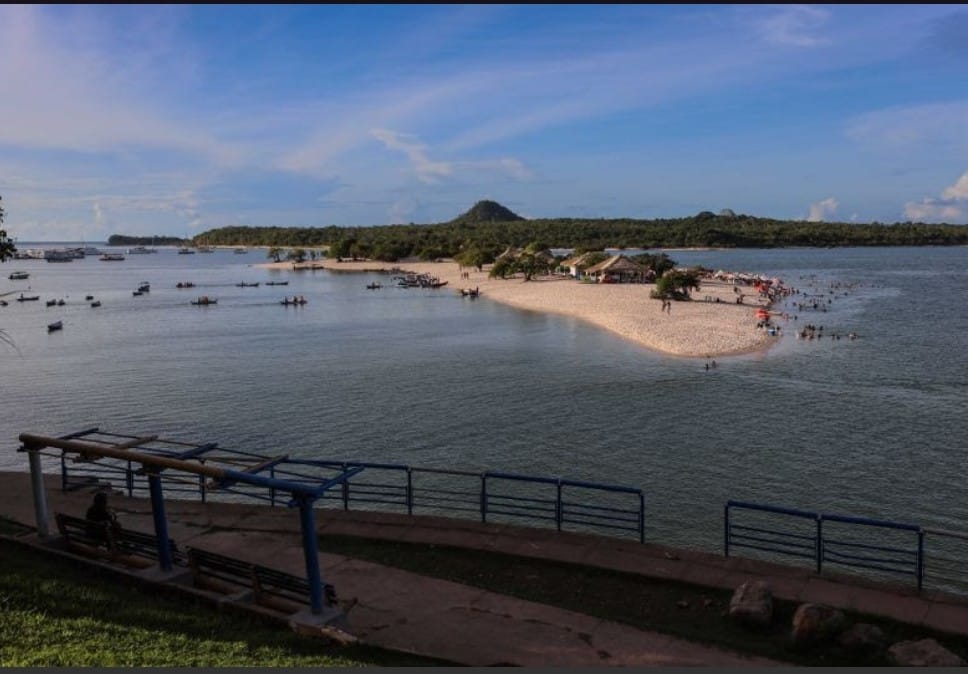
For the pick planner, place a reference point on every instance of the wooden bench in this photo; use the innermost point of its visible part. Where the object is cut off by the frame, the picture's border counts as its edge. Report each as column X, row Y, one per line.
column 268, row 585
column 130, row 547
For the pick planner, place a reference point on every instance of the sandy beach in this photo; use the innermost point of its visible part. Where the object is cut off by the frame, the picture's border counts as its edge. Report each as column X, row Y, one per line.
column 702, row 328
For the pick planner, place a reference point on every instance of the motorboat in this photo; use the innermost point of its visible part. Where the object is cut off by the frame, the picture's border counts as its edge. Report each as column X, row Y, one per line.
column 184, row 284
column 294, row 300
column 51, row 327
column 184, row 250
column 144, row 287
column 141, row 250
column 19, row 276
column 373, row 286
column 277, row 283
column 112, row 257
column 96, row 303
column 240, row 251
column 24, row 298
column 246, row 285
column 204, row 300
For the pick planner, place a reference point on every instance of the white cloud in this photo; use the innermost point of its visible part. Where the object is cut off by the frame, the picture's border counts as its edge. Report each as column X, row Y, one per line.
column 428, row 171
column 958, row 191
column 952, row 207
column 795, row 25
column 820, row 210
column 939, row 124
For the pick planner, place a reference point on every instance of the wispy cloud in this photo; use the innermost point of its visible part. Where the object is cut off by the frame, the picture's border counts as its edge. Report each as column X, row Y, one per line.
column 821, row 210
column 951, row 207
column 795, row 25
column 902, row 127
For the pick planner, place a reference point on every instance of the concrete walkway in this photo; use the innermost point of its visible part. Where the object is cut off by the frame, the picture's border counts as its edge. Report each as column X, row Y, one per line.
column 417, row 614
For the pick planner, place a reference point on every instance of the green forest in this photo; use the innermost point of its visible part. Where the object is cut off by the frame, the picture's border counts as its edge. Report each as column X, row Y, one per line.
column 488, row 229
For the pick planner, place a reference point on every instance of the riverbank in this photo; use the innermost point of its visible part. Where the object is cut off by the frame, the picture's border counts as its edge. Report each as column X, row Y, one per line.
column 711, row 326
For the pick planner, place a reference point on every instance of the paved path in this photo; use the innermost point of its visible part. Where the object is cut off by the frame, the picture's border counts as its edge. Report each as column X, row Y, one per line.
column 427, row 616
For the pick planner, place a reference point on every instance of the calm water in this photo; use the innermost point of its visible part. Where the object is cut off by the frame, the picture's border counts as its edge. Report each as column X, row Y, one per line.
column 873, row 427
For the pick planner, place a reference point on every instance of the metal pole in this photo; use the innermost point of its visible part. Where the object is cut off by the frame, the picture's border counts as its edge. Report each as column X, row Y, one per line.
column 129, row 480
column 641, row 517
column 346, row 492
column 726, row 530
column 40, row 494
column 161, row 522
column 409, row 491
column 819, row 544
column 63, row 471
column 558, row 507
column 920, row 559
column 307, row 521
column 483, row 497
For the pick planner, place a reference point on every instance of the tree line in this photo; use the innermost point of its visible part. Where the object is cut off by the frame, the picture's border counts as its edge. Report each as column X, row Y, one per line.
column 490, row 239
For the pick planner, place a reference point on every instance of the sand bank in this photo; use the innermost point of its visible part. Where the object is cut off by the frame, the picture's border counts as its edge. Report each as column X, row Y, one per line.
column 702, row 328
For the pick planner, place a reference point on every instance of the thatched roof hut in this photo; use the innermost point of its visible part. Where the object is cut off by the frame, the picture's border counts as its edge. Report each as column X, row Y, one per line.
column 618, row 268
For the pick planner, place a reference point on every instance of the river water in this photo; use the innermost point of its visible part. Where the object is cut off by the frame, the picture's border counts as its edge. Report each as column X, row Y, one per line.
column 874, row 426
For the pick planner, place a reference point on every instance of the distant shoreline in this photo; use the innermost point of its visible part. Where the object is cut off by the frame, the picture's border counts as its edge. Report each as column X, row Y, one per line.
column 694, row 329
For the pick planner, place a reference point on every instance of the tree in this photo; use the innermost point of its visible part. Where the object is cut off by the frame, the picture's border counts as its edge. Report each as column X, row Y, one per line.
column 676, row 284
column 296, row 255
column 7, row 249
column 502, row 268
column 275, row 253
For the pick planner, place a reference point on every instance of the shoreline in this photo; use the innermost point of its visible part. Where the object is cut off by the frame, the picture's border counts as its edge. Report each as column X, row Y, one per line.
column 701, row 328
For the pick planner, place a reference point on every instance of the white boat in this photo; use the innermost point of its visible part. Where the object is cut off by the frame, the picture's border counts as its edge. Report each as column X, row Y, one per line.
column 240, row 251
column 206, row 249
column 185, row 251
column 112, row 257
column 58, row 255
column 141, row 250
column 91, row 250
column 19, row 276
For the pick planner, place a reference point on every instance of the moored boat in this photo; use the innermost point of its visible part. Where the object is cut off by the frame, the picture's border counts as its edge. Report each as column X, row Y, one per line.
column 96, row 303
column 24, row 298
column 246, row 285
column 51, row 327
column 141, row 250
column 204, row 300
column 19, row 276
column 112, row 257
column 277, row 283
column 295, row 300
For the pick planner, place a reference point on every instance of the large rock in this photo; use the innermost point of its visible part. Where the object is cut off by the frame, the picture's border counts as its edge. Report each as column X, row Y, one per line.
column 752, row 604
column 924, row 653
column 816, row 623
column 863, row 639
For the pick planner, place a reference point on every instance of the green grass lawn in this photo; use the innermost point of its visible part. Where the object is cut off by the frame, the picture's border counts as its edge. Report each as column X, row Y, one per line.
column 55, row 612
column 687, row 611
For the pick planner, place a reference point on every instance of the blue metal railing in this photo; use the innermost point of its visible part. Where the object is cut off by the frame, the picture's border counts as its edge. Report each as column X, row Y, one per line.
column 489, row 496
column 872, row 553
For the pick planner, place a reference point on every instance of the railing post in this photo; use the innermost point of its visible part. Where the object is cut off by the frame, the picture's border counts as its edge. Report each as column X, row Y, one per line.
column 726, row 530
column 307, row 523
column 272, row 490
column 129, row 480
column 40, row 493
column 63, row 471
column 920, row 559
column 201, row 480
column 558, row 508
column 819, row 544
column 483, row 497
column 641, row 517
column 346, row 491
column 409, row 491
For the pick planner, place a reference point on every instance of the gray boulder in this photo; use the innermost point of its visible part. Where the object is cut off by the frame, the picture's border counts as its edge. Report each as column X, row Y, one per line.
column 863, row 639
column 924, row 653
column 815, row 623
column 752, row 604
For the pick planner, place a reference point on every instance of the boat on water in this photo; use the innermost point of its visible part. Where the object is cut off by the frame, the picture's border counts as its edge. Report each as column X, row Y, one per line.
column 29, row 254
column 246, row 285
column 141, row 250
column 19, row 276
column 96, row 303
column 184, row 284
column 90, row 250
column 59, row 255
column 295, row 300
column 112, row 257
column 204, row 300
column 52, row 303
column 137, row 293
column 240, row 251
column 51, row 327
column 24, row 298
column 277, row 283
column 374, row 286
column 184, row 250
column 144, row 287
column 89, row 297
column 475, row 292
column 206, row 249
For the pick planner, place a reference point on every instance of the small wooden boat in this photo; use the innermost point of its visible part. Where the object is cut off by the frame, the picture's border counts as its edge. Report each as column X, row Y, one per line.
column 277, row 283
column 89, row 298
column 23, row 298
column 137, row 293
column 52, row 303
column 203, row 301
column 470, row 293
column 112, row 257
column 184, row 284
column 373, row 286
column 19, row 276
column 294, row 300
column 3, row 303
column 61, row 303
column 96, row 304
column 144, row 287
column 246, row 285
column 55, row 326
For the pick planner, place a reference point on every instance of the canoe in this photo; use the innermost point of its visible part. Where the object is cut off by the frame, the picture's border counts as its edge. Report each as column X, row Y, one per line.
column 55, row 326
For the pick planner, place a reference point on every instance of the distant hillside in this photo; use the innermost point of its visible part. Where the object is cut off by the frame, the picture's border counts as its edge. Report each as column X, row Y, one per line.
column 122, row 240
column 486, row 211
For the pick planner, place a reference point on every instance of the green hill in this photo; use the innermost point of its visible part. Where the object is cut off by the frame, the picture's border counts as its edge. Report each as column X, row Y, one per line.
column 486, row 211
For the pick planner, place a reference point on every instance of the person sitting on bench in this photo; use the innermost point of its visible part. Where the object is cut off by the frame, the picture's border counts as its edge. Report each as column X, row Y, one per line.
column 103, row 520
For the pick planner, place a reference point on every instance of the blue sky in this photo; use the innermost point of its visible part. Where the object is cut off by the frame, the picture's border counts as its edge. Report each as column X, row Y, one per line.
column 175, row 119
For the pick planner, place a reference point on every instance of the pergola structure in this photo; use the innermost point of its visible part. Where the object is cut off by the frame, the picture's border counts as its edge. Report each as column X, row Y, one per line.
column 157, row 455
